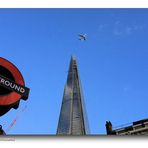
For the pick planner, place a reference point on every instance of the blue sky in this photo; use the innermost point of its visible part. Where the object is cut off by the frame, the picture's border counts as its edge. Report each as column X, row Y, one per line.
column 113, row 64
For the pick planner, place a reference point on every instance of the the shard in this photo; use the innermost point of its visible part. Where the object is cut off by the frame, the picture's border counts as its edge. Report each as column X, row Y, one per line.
column 73, row 118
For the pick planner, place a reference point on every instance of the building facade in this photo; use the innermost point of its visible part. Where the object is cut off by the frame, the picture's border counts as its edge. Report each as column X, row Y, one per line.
column 2, row 132
column 73, row 117
column 136, row 128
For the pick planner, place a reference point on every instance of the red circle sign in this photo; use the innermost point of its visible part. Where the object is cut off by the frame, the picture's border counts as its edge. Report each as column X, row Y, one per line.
column 12, row 97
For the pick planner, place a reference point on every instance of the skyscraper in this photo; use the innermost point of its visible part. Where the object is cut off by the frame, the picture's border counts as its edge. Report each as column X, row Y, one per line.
column 73, row 118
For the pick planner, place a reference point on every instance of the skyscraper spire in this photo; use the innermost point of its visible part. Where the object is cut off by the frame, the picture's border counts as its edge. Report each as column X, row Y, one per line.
column 73, row 119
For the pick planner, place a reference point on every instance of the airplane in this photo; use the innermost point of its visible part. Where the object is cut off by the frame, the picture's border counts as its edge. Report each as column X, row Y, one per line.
column 82, row 37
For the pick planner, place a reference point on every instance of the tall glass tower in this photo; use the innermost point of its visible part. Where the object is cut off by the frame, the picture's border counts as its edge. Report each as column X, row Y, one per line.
column 73, row 118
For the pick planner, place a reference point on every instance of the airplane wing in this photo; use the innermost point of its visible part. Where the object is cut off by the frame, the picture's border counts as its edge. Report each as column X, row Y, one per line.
column 82, row 37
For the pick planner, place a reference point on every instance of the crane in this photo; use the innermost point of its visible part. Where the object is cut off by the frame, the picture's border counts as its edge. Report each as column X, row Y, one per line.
column 16, row 118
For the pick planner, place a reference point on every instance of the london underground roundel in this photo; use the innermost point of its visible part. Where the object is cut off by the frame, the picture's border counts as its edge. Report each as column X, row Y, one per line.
column 12, row 86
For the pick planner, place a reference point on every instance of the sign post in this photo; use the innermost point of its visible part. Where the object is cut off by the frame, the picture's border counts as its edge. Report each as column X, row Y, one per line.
column 12, row 86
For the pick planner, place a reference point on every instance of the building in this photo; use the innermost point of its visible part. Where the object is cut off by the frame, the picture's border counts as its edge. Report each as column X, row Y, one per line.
column 136, row 128
column 73, row 118
column 2, row 131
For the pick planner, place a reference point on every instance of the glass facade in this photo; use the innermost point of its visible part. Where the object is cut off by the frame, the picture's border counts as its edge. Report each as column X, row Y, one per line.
column 73, row 117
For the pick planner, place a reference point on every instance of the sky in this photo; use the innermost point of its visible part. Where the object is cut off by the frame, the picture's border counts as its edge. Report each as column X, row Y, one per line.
column 112, row 63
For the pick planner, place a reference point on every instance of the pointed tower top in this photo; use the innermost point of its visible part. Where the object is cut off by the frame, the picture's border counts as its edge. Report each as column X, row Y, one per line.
column 73, row 57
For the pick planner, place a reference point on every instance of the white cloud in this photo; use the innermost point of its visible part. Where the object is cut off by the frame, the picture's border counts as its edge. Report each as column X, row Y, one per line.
column 101, row 27
column 125, row 89
column 116, row 31
column 119, row 28
column 117, row 22
column 128, row 30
